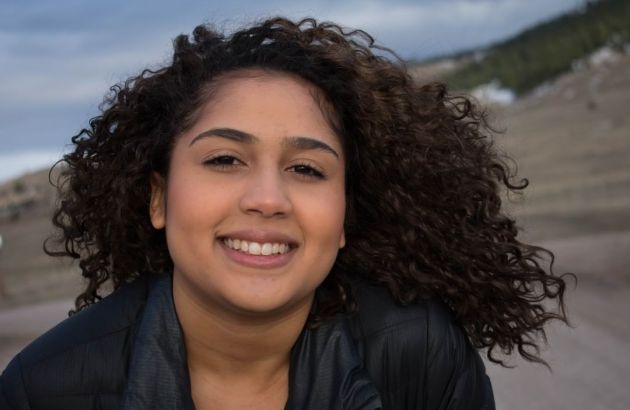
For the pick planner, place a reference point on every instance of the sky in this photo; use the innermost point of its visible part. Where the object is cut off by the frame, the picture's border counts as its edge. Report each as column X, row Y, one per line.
column 58, row 58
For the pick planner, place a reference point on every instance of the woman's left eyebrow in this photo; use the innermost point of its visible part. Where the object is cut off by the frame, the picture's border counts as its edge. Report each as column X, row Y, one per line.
column 306, row 143
column 301, row 143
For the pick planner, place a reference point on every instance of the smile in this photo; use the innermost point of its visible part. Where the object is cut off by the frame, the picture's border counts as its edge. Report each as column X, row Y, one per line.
column 256, row 248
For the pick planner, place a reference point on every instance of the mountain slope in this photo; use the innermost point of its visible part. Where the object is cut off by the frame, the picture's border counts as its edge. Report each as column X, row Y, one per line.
column 544, row 51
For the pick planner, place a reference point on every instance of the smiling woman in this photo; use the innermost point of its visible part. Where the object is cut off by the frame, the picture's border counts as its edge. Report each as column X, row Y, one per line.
column 272, row 188
column 288, row 221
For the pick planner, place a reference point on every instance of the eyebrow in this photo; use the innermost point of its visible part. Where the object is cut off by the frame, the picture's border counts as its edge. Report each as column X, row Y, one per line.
column 229, row 133
column 301, row 143
column 306, row 143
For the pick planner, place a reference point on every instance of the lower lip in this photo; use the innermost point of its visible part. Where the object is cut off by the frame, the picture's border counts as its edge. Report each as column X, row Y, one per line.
column 258, row 261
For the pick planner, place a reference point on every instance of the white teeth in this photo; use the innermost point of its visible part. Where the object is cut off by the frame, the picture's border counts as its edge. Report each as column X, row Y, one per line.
column 266, row 249
column 255, row 248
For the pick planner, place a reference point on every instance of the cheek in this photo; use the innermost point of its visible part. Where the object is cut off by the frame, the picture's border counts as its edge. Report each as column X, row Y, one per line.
column 195, row 200
column 193, row 210
column 323, row 217
column 184, row 204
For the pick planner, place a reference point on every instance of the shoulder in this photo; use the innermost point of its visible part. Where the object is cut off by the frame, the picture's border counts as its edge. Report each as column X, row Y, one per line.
column 77, row 346
column 426, row 323
column 103, row 320
column 418, row 355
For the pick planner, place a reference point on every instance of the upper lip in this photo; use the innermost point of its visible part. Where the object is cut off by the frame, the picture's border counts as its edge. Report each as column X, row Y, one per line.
column 260, row 236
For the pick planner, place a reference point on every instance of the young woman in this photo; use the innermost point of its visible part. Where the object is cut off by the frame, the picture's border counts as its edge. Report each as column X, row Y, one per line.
column 288, row 221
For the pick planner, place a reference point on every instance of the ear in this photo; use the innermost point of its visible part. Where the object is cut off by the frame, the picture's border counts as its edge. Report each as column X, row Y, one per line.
column 342, row 239
column 157, row 205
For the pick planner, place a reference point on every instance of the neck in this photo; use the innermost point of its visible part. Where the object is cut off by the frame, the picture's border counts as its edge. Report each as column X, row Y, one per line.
column 253, row 350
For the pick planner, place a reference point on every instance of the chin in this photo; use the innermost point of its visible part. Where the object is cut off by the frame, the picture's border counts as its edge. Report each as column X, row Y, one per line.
column 268, row 301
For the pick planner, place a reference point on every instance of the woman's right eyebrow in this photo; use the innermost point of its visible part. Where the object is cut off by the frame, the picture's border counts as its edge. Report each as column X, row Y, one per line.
column 229, row 133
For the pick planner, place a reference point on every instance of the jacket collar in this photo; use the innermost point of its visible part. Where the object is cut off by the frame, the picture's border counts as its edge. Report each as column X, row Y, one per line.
column 325, row 372
column 158, row 374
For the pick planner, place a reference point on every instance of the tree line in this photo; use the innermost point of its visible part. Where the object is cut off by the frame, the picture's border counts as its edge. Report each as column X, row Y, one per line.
column 542, row 52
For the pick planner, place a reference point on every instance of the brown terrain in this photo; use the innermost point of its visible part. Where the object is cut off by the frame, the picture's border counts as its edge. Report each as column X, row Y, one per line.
column 571, row 139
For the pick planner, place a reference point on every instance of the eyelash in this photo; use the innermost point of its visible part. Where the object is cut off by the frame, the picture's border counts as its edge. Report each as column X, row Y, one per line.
column 214, row 161
column 311, row 171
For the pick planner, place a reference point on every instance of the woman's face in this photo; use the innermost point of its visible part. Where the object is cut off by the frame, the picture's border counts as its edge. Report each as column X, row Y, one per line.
column 254, row 203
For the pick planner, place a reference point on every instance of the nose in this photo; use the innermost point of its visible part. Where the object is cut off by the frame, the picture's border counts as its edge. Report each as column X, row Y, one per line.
column 266, row 195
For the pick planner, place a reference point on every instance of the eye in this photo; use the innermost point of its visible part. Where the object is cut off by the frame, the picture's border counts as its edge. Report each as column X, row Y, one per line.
column 223, row 161
column 307, row 171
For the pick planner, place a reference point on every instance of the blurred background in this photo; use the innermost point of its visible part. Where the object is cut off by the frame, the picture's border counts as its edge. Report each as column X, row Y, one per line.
column 554, row 75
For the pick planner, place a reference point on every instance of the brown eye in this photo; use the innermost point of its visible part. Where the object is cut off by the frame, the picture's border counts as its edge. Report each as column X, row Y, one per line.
column 307, row 171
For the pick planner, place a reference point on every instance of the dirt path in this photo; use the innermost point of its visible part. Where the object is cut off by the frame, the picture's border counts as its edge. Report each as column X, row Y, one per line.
column 590, row 362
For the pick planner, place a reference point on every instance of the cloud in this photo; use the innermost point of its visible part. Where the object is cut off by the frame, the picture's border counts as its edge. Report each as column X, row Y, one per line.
column 60, row 68
column 446, row 15
column 420, row 29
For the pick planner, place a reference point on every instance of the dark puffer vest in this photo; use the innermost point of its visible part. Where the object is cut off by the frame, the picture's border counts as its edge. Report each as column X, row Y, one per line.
column 127, row 352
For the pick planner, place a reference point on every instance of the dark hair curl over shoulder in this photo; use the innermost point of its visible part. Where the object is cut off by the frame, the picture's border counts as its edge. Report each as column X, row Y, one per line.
column 423, row 180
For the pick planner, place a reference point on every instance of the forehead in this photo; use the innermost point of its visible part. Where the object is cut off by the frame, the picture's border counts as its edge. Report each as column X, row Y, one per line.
column 264, row 101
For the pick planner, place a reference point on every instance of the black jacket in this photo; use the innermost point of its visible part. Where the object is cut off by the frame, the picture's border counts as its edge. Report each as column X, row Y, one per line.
column 127, row 352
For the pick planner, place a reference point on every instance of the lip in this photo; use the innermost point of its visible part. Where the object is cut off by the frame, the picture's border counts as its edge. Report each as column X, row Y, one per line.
column 257, row 261
column 261, row 236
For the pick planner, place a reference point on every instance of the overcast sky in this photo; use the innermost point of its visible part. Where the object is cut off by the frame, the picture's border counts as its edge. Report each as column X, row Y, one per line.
column 59, row 57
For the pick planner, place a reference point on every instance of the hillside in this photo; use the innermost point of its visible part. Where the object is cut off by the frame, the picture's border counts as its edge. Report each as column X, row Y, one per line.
column 572, row 141
column 27, row 274
column 543, row 52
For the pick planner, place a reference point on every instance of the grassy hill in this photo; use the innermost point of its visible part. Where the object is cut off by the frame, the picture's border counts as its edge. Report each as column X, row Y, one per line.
column 544, row 51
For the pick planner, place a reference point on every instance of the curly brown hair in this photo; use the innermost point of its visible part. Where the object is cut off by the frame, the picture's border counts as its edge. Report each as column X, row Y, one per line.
column 423, row 180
